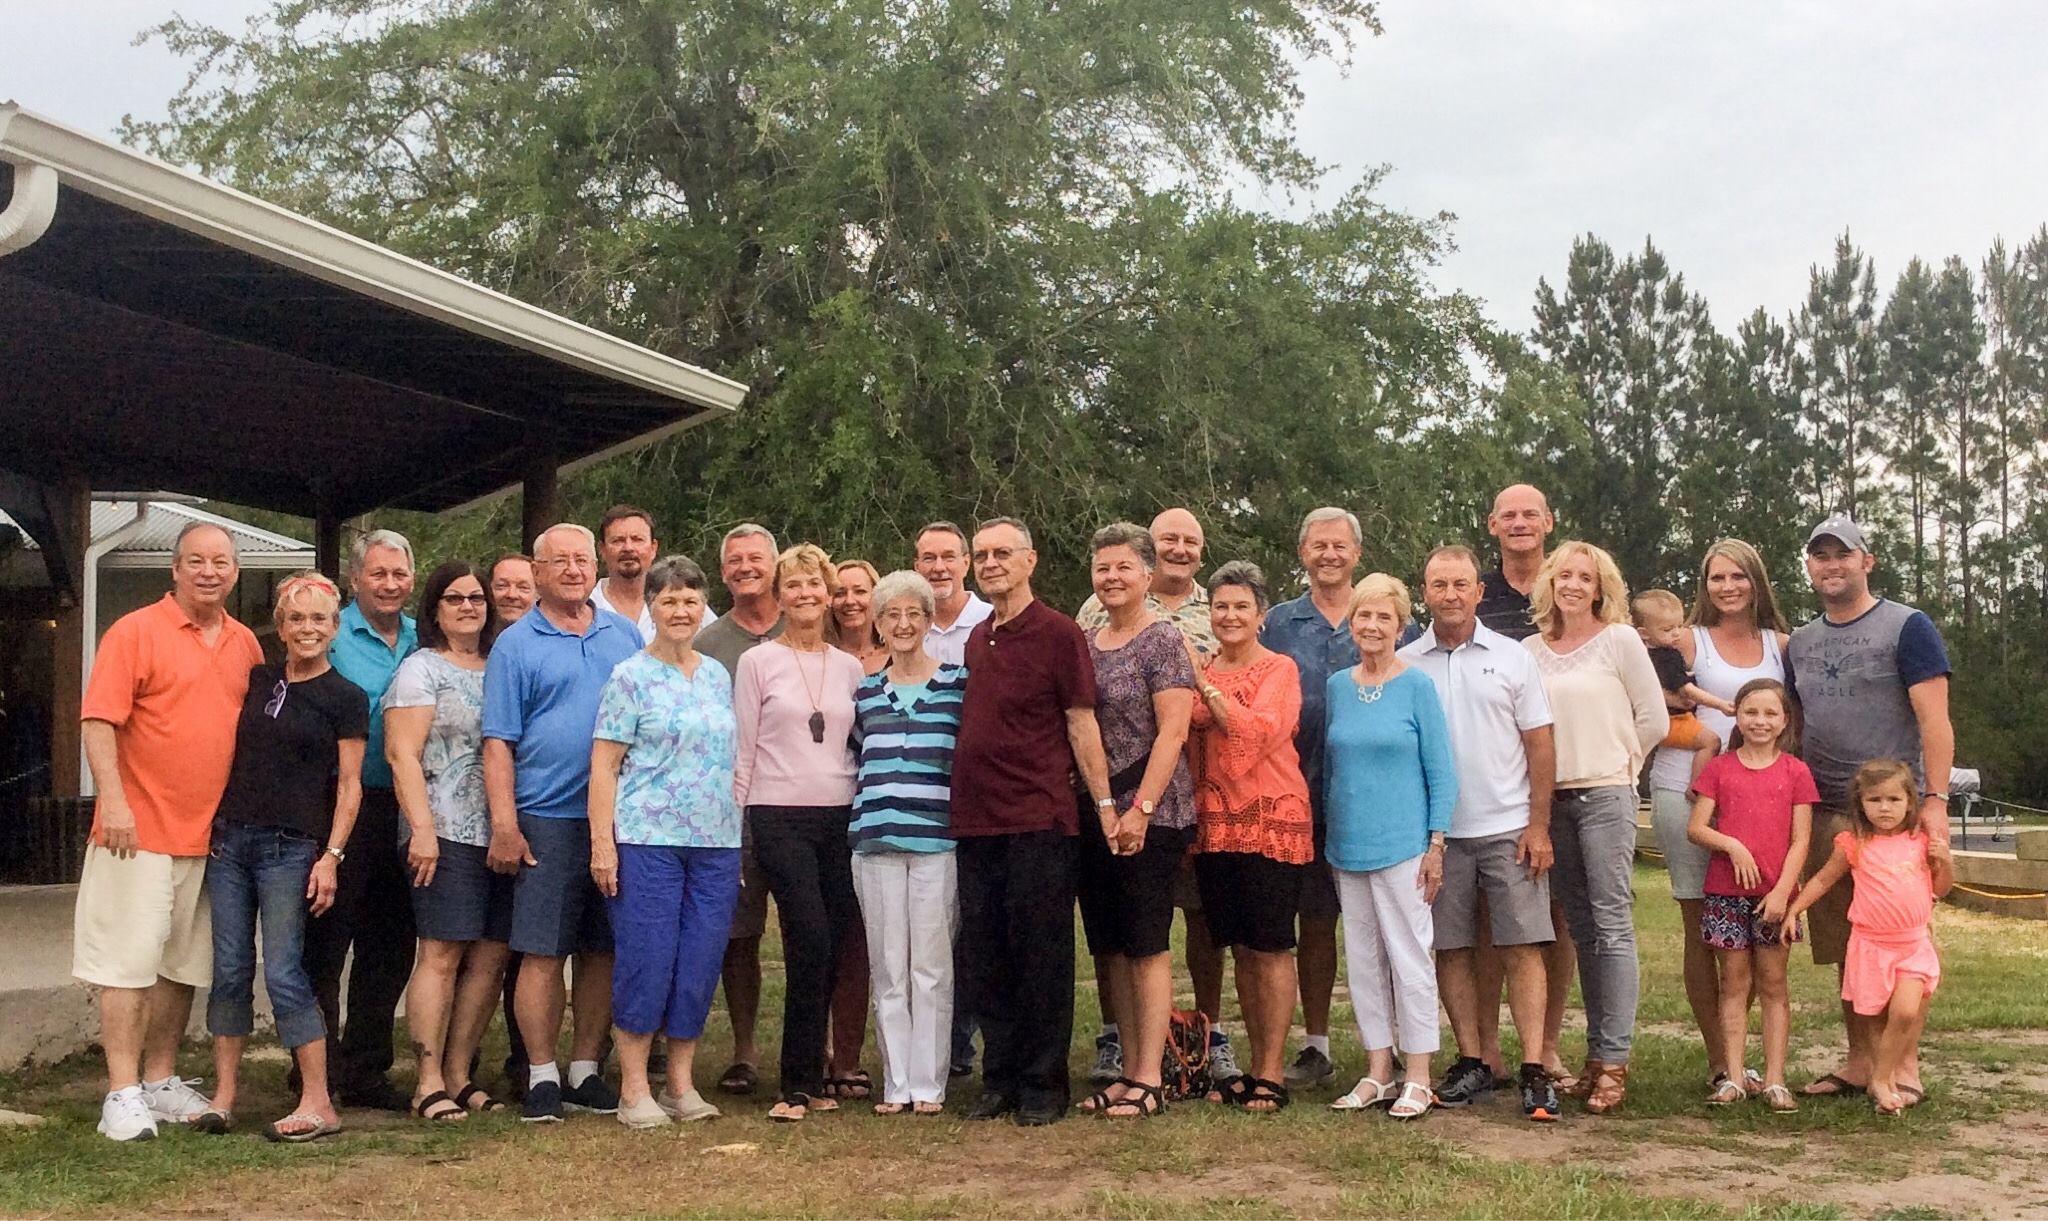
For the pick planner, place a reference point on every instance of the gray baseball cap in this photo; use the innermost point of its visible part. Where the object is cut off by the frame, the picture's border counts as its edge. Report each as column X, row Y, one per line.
column 1843, row 530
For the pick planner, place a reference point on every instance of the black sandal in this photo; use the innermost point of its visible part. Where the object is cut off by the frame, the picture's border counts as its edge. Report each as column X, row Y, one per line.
column 1145, row 1101
column 468, row 1099
column 1260, row 1090
column 853, row 1087
column 424, row 1108
column 1100, row 1101
column 739, row 1077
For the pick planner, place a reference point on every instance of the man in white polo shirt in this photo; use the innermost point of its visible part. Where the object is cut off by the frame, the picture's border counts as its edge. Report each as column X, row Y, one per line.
column 1499, row 844
column 941, row 558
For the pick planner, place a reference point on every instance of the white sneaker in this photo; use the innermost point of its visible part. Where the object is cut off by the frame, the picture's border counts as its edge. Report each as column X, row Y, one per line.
column 124, row 1116
column 173, row 1100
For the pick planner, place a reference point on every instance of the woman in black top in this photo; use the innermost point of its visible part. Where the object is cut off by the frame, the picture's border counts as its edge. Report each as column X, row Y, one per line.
column 277, row 840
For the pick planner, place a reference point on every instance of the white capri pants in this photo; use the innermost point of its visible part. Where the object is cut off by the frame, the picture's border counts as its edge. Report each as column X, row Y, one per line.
column 1389, row 942
column 909, row 904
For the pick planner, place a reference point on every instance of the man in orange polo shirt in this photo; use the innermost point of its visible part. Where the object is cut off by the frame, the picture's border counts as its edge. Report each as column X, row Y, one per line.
column 159, row 727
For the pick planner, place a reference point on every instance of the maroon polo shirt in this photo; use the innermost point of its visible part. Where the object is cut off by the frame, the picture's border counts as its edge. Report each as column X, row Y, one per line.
column 1012, row 760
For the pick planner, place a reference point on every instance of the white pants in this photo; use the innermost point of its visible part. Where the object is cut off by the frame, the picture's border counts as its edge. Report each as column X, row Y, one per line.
column 909, row 904
column 1389, row 937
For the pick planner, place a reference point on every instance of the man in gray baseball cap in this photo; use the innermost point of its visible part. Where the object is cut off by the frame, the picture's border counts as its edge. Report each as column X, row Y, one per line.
column 1871, row 676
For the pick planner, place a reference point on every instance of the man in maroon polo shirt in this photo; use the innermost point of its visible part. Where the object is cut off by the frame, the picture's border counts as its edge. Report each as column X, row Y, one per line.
column 1028, row 721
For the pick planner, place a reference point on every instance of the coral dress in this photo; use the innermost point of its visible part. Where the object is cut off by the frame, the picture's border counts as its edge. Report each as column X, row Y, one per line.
column 1890, row 934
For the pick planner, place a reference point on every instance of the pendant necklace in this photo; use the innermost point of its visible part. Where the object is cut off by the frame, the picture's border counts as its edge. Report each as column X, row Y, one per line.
column 1371, row 697
column 817, row 722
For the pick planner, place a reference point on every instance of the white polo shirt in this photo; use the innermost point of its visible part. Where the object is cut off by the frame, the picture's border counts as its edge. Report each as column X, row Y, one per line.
column 1492, row 692
column 949, row 644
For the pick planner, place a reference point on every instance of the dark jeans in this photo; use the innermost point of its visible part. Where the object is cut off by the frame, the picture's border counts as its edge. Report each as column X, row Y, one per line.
column 256, row 876
column 802, row 851
column 372, row 914
column 1017, row 948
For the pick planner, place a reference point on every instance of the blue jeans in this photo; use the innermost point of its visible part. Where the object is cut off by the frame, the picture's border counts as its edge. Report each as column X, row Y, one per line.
column 256, row 876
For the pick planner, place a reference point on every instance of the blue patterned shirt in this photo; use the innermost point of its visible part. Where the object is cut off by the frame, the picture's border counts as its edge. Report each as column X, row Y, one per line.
column 681, row 738
column 904, row 799
column 453, row 755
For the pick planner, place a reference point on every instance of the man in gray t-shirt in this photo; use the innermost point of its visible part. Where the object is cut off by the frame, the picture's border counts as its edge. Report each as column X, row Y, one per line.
column 1871, row 677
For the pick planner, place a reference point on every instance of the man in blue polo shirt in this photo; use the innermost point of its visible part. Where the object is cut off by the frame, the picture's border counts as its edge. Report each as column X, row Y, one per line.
column 372, row 910
column 541, row 690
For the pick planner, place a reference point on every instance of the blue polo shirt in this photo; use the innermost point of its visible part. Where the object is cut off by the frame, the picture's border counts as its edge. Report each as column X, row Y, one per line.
column 542, row 687
column 365, row 660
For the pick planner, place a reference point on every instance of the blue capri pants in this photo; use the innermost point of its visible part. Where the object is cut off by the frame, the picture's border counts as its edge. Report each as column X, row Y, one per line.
column 669, row 925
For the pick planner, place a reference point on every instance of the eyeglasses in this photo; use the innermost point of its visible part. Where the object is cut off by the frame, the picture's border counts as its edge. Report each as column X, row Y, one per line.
column 468, row 599
column 567, row 561
column 1000, row 555
column 275, row 704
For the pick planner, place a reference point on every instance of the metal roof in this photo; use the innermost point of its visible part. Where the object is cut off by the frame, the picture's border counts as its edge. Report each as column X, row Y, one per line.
column 158, row 329
column 150, row 544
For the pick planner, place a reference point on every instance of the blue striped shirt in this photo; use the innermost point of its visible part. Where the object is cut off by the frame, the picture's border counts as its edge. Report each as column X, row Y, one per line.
column 906, row 734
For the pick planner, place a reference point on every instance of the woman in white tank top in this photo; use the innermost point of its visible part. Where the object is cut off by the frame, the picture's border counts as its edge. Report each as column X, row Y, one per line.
column 1738, row 633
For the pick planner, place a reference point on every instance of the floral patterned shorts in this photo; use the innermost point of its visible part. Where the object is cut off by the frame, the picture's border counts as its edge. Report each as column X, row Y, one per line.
column 1735, row 922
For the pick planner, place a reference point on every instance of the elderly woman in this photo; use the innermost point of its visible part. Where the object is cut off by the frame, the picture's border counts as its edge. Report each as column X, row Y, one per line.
column 1132, row 842
column 853, row 629
column 1254, row 834
column 1735, row 633
column 433, row 738
column 794, row 777
column 907, row 718
column 1610, row 714
column 665, row 842
column 1392, row 787
column 279, row 835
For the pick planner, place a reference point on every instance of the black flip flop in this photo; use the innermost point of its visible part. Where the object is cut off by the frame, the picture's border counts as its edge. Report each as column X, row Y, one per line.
column 739, row 1077
column 1837, row 1088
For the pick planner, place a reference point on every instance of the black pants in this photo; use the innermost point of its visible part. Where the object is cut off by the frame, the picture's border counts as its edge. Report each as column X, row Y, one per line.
column 1017, row 948
column 372, row 914
column 803, row 853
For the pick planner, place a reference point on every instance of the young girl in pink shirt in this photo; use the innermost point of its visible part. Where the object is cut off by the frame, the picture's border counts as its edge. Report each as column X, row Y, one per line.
column 1892, row 969
column 1753, row 808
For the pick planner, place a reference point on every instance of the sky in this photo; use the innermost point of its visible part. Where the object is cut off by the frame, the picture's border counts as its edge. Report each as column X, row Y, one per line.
column 1743, row 135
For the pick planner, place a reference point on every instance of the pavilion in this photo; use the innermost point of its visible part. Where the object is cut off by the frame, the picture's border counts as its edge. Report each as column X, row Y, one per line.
column 161, row 331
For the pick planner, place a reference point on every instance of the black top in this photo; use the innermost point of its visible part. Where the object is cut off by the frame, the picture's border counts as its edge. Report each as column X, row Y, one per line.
column 1671, row 672
column 1504, row 608
column 283, row 775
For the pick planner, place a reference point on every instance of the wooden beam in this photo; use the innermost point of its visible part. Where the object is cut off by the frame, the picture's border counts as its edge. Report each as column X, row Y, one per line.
column 73, row 500
column 327, row 544
column 540, row 501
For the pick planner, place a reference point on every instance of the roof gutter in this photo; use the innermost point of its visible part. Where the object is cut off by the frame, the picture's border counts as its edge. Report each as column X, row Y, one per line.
column 30, row 210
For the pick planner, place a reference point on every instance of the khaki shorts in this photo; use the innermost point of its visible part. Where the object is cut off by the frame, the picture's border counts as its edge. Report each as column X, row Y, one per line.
column 141, row 918
column 1517, row 905
column 750, row 909
column 1827, row 921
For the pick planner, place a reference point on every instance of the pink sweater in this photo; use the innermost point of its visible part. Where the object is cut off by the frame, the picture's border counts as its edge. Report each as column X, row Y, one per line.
column 772, row 695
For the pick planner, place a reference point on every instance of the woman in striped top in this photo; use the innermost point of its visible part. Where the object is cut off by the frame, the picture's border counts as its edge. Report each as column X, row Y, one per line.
column 906, row 719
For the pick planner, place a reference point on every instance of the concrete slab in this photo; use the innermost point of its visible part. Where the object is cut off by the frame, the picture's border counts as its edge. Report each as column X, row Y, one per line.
column 19, row 1119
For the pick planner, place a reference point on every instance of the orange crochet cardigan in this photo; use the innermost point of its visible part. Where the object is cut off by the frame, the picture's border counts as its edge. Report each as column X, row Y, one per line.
column 1249, row 791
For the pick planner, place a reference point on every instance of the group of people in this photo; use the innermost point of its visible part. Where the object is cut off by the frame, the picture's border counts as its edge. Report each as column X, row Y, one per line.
column 564, row 791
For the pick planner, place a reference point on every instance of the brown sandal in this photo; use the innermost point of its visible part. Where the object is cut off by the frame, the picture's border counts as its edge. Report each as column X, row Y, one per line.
column 1580, row 1086
column 1610, row 1089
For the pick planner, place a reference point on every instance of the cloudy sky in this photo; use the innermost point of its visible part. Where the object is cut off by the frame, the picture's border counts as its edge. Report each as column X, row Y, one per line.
column 1743, row 135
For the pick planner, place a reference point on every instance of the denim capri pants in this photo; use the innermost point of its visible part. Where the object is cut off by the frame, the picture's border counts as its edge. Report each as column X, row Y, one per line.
column 669, row 925
column 256, row 877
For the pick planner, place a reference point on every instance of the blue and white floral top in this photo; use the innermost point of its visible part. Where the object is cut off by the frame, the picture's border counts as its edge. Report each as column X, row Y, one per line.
column 681, row 739
column 453, row 757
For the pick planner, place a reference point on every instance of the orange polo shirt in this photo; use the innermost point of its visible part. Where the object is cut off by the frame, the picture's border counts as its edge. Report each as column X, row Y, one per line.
column 173, row 700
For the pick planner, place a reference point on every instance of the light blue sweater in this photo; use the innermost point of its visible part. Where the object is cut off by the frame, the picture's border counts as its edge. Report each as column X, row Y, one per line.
column 1391, row 777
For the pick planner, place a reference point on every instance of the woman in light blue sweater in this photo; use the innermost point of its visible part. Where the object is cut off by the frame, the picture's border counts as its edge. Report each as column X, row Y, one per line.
column 1392, row 786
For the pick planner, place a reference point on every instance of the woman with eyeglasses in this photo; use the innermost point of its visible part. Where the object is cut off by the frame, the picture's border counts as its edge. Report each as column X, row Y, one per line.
column 433, row 739
column 794, row 778
column 278, row 838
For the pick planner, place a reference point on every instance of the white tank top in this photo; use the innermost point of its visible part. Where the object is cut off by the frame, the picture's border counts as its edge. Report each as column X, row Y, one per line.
column 1712, row 673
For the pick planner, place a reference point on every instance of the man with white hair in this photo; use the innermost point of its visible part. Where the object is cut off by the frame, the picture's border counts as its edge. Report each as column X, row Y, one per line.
column 372, row 912
column 542, row 686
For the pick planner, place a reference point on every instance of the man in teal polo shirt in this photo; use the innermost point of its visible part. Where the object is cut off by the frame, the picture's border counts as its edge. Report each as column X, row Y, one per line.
column 373, row 900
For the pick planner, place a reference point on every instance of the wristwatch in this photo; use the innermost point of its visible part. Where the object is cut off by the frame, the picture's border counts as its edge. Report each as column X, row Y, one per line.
column 1146, row 808
column 1105, row 803
column 338, row 855
column 1436, row 839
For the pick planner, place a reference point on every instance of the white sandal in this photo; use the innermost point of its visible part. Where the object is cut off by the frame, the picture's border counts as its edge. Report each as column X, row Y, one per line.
column 1407, row 1107
column 1367, row 1093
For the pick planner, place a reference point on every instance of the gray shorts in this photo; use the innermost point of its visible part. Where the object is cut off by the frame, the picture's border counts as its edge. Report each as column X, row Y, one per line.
column 1517, row 905
column 1686, row 861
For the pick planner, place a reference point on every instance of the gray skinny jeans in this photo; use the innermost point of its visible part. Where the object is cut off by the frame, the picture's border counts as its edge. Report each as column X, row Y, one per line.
column 1594, row 833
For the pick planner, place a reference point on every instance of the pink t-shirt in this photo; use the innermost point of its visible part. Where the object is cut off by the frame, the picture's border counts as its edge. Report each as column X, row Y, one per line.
column 1894, row 886
column 1754, row 805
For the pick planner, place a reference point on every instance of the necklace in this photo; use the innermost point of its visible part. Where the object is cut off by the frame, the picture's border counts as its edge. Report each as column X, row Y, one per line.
column 817, row 722
column 1373, row 696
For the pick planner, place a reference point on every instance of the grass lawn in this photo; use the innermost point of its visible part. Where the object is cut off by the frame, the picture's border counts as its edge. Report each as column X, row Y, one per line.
column 1978, row 1147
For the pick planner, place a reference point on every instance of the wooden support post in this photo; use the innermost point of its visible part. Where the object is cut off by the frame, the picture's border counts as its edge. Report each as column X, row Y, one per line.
column 327, row 544
column 73, row 519
column 540, row 505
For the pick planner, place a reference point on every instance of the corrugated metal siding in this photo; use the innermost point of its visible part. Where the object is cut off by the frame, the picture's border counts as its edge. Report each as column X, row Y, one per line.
column 160, row 528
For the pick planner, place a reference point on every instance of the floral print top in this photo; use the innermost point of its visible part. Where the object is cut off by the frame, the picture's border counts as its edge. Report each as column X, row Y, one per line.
column 1126, row 679
column 681, row 738
column 453, row 757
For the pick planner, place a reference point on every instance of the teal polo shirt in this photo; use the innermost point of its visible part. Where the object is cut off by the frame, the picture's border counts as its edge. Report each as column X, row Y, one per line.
column 366, row 660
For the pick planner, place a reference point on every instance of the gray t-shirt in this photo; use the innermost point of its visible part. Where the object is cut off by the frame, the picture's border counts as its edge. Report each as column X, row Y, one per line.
column 1852, row 681
column 725, row 640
